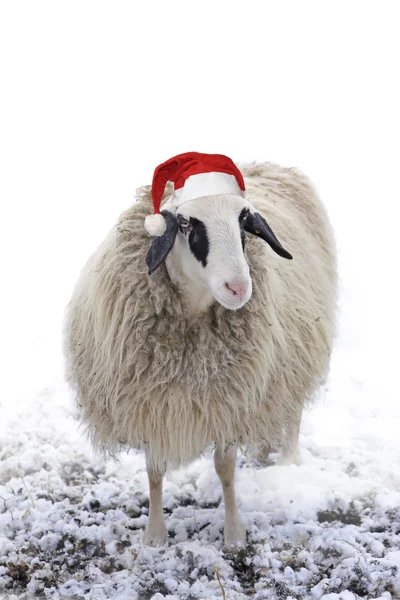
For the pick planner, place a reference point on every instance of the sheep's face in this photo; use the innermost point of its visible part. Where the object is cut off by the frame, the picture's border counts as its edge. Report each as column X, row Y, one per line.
column 210, row 247
column 207, row 241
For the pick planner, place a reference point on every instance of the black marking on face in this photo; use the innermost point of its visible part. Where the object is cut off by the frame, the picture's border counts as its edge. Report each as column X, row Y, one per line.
column 198, row 240
column 242, row 217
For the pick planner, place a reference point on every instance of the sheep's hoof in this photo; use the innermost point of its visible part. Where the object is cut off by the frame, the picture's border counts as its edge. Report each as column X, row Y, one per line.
column 235, row 538
column 155, row 535
column 289, row 458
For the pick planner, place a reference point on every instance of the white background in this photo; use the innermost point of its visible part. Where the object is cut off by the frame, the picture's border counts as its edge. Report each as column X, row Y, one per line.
column 95, row 94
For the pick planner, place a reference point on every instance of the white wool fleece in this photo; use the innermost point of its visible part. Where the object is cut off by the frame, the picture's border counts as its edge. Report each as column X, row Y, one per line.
column 148, row 377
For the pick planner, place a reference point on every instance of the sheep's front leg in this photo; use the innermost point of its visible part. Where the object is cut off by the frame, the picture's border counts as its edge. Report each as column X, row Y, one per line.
column 290, row 451
column 235, row 529
column 156, row 531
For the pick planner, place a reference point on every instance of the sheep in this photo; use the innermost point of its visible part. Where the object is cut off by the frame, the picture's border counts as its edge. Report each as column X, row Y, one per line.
column 206, row 335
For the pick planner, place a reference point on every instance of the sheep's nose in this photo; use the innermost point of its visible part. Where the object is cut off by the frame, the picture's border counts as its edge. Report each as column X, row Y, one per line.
column 237, row 288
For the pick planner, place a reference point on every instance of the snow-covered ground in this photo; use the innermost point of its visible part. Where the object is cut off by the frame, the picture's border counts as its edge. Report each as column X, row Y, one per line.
column 94, row 96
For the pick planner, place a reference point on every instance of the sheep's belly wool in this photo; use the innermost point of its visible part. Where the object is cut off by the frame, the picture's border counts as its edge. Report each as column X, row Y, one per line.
column 147, row 378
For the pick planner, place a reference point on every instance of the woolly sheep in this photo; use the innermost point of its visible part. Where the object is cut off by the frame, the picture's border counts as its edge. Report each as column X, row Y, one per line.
column 179, row 360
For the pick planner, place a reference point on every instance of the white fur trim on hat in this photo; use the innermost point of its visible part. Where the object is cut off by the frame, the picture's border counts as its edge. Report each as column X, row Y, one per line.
column 155, row 224
column 207, row 184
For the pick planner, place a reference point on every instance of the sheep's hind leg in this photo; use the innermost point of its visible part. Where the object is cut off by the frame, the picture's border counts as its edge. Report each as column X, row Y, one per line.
column 290, row 451
column 235, row 529
column 156, row 531
column 262, row 457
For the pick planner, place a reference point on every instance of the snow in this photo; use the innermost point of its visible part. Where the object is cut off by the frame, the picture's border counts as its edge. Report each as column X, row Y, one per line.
column 90, row 110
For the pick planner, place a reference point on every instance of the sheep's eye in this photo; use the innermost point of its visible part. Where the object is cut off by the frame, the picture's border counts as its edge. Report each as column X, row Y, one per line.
column 184, row 225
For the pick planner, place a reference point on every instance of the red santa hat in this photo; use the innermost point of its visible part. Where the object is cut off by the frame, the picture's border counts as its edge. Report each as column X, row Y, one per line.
column 194, row 175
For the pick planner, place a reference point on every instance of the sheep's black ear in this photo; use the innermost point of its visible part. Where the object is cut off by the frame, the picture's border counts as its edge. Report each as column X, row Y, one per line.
column 256, row 224
column 162, row 244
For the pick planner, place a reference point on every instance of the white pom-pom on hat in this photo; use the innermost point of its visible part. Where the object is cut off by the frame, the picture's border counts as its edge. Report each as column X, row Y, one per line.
column 155, row 224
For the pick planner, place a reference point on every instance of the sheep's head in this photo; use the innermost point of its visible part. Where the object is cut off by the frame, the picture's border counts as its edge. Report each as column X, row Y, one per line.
column 207, row 240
